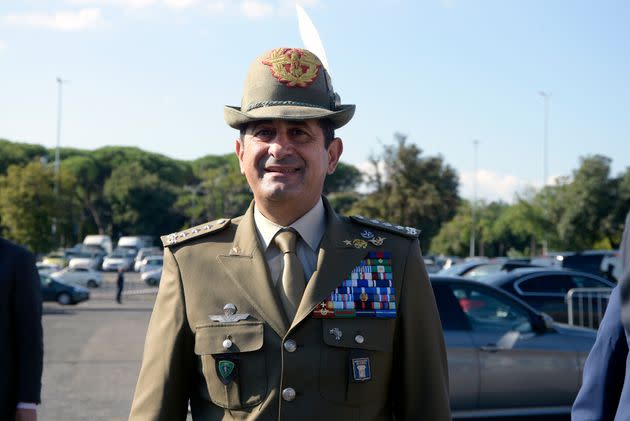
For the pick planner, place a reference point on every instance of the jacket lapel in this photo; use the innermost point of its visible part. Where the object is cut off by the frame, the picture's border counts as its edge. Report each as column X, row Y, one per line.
column 247, row 267
column 335, row 260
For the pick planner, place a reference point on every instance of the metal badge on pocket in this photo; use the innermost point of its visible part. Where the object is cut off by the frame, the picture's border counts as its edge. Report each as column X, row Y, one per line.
column 360, row 366
column 229, row 315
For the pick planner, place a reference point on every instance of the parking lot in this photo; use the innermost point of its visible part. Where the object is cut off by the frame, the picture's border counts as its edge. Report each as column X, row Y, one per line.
column 93, row 352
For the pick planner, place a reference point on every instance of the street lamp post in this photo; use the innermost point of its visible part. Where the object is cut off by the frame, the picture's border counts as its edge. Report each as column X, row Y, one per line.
column 60, row 83
column 473, row 231
column 546, row 96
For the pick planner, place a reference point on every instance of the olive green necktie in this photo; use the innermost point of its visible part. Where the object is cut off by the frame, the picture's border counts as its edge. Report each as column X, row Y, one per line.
column 291, row 283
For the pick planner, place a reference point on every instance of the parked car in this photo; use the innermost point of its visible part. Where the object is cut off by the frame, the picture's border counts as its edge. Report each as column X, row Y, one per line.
column 492, row 268
column 79, row 276
column 546, row 289
column 480, row 268
column 605, row 263
column 87, row 259
column 152, row 277
column 47, row 268
column 121, row 258
column 143, row 253
column 431, row 265
column 53, row 290
column 57, row 258
column 151, row 263
column 504, row 357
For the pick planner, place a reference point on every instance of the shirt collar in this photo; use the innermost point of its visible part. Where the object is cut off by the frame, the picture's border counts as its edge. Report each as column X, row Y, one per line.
column 310, row 226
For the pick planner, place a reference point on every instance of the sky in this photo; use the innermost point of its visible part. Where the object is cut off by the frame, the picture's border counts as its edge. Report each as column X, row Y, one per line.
column 156, row 74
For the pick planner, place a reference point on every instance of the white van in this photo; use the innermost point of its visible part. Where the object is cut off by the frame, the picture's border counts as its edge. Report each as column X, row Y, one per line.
column 135, row 241
column 102, row 241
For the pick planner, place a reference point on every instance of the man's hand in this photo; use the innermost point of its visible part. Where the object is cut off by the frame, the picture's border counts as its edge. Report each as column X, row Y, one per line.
column 22, row 414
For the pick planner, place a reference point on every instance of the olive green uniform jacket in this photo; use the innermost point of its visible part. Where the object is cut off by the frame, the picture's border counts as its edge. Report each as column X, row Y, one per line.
column 207, row 267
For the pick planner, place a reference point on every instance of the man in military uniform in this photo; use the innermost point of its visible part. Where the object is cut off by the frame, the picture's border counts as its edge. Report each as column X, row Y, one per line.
column 292, row 312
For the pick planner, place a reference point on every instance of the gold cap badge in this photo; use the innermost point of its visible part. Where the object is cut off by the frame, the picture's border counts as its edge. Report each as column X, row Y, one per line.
column 292, row 66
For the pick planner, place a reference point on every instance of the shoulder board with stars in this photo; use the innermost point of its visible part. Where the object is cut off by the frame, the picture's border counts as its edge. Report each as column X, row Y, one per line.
column 195, row 232
column 386, row 226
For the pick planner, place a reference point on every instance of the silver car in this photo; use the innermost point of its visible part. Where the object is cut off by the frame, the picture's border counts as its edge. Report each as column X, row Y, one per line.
column 504, row 357
column 152, row 277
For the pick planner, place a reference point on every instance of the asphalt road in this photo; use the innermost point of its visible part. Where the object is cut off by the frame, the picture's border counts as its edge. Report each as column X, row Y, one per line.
column 93, row 352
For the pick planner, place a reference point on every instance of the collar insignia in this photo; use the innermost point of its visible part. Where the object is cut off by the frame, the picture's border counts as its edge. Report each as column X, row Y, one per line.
column 367, row 234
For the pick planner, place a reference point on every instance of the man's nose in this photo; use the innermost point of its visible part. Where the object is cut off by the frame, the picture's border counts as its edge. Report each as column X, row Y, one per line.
column 280, row 146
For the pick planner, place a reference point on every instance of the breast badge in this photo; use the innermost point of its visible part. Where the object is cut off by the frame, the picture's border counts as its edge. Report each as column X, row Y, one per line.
column 229, row 315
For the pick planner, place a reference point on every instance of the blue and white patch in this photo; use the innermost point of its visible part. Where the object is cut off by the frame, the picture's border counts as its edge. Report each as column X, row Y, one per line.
column 361, row 369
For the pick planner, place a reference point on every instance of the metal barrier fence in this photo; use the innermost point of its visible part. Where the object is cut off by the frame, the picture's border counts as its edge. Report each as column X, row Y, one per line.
column 586, row 306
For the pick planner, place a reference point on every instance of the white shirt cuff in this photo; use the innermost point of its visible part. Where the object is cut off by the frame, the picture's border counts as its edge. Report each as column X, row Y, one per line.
column 27, row 405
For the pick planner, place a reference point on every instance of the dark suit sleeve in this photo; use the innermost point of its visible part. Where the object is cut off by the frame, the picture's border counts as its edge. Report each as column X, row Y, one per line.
column 605, row 368
column 162, row 391
column 28, row 329
column 420, row 381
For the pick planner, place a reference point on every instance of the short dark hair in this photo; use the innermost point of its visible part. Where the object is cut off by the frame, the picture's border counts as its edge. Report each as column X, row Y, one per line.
column 326, row 125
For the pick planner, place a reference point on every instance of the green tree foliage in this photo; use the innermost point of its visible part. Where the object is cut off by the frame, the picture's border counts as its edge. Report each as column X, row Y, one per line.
column 454, row 235
column 581, row 212
column 91, row 176
column 520, row 227
column 410, row 189
column 30, row 207
column 345, row 179
column 220, row 190
column 19, row 154
column 141, row 202
column 586, row 204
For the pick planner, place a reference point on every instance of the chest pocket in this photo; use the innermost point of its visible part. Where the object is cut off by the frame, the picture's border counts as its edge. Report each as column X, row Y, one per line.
column 236, row 376
column 356, row 360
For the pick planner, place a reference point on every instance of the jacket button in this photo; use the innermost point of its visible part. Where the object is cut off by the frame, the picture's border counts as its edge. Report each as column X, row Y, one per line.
column 290, row 345
column 227, row 344
column 288, row 394
column 359, row 339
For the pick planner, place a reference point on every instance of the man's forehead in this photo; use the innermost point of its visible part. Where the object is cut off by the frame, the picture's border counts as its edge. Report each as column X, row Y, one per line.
column 289, row 123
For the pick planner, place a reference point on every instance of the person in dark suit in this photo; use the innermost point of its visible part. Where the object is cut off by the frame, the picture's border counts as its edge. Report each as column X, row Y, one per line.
column 21, row 340
column 605, row 391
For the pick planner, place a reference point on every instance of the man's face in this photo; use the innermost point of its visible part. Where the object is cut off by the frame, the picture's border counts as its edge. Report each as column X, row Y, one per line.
column 286, row 161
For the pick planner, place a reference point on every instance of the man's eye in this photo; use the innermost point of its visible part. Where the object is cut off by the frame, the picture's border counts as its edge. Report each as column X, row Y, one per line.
column 263, row 133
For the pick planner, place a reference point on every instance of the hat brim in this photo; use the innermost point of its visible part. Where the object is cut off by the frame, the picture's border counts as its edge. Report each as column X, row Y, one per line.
column 235, row 118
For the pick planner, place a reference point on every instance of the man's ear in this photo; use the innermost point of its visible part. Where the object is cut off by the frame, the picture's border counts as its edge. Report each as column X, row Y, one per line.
column 334, row 153
column 240, row 149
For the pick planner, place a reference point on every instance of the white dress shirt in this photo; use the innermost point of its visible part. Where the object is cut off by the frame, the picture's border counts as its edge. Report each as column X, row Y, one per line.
column 310, row 226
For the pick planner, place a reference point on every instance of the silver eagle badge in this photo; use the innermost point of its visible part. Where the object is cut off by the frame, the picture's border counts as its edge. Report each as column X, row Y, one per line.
column 229, row 315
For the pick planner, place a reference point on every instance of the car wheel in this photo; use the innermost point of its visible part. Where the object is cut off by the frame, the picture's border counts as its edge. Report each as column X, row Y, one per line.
column 92, row 283
column 64, row 299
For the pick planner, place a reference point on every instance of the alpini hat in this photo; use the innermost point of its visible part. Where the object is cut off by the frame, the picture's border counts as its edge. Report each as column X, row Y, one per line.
column 288, row 84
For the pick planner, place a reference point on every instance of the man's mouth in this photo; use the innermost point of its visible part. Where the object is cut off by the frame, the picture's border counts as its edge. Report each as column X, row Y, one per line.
column 282, row 169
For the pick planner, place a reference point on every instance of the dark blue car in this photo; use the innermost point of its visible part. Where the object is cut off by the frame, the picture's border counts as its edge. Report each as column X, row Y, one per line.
column 53, row 290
